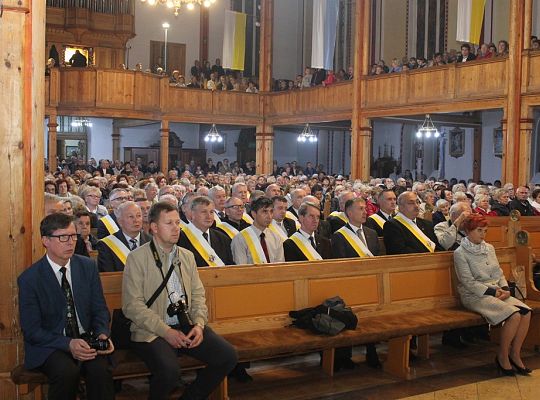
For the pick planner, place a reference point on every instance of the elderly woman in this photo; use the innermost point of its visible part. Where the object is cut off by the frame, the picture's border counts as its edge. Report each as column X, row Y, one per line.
column 483, row 289
column 501, row 198
column 92, row 196
column 441, row 215
column 481, row 201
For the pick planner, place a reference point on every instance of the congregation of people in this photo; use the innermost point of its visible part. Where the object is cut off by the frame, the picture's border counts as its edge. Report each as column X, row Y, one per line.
column 132, row 218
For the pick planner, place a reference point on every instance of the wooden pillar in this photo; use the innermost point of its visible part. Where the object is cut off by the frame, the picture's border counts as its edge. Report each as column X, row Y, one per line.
column 204, row 35
column 22, row 71
column 526, row 126
column 264, row 149
column 164, row 148
column 265, row 52
column 477, row 155
column 527, row 24
column 116, row 143
column 52, row 145
column 361, row 132
column 511, row 163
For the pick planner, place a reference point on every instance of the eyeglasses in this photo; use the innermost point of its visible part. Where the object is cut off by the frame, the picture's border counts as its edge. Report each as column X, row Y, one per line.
column 64, row 238
column 237, row 207
column 122, row 198
column 95, row 196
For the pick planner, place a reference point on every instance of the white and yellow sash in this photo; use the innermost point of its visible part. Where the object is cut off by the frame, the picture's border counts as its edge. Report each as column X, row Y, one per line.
column 182, row 225
column 355, row 242
column 341, row 215
column 378, row 219
column 274, row 227
column 305, row 246
column 230, row 230
column 247, row 218
column 109, row 223
column 418, row 234
column 290, row 215
column 254, row 246
column 117, row 246
column 216, row 218
column 202, row 246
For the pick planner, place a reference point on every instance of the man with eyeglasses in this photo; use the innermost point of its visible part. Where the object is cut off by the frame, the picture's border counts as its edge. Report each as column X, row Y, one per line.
column 108, row 224
column 233, row 222
column 521, row 202
column 60, row 298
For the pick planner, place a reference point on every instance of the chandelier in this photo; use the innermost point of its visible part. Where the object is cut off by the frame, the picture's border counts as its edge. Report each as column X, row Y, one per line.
column 428, row 129
column 307, row 135
column 213, row 135
column 81, row 123
column 178, row 4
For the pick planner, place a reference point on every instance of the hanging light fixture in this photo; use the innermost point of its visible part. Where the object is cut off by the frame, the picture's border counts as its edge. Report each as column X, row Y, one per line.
column 176, row 5
column 213, row 135
column 428, row 129
column 81, row 122
column 307, row 135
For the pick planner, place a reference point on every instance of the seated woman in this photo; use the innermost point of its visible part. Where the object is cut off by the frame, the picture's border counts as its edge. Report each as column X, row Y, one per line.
column 441, row 215
column 483, row 289
column 501, row 198
column 481, row 201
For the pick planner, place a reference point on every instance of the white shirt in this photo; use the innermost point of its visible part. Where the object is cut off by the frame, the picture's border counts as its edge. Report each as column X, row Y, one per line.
column 206, row 231
column 307, row 235
column 56, row 269
column 137, row 239
column 356, row 229
column 242, row 255
column 282, row 226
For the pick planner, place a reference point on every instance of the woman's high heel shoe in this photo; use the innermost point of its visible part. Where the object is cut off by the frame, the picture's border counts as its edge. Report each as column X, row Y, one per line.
column 503, row 371
column 521, row 371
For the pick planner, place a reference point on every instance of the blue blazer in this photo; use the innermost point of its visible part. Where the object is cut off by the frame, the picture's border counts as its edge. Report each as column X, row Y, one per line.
column 42, row 307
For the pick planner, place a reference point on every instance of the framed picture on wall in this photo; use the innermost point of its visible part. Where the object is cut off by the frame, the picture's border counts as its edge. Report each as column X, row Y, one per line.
column 219, row 147
column 498, row 142
column 456, row 139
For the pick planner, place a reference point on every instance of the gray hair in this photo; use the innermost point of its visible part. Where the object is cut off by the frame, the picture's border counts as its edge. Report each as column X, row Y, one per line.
column 200, row 201
column 213, row 191
column 120, row 209
column 304, row 207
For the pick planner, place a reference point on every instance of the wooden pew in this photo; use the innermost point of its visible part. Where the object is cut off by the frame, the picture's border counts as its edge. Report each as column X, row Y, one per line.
column 394, row 298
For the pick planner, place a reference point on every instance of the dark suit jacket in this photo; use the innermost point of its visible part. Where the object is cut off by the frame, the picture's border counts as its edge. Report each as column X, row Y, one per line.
column 342, row 249
column 335, row 223
column 290, row 226
column 242, row 225
column 470, row 57
column 370, row 223
column 102, row 230
column 108, row 171
column 219, row 241
column 293, row 253
column 42, row 307
column 524, row 207
column 107, row 260
column 291, row 209
column 324, row 229
column 399, row 240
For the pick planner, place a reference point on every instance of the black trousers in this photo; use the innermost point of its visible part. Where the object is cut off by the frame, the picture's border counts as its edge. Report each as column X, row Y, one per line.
column 64, row 374
column 161, row 359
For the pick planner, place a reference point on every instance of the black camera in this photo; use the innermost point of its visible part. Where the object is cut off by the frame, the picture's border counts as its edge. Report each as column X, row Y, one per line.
column 94, row 342
column 178, row 308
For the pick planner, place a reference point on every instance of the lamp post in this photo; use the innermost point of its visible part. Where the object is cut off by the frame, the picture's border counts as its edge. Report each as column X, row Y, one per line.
column 166, row 27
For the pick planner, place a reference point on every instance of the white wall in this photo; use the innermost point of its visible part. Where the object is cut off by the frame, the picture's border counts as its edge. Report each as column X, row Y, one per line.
column 100, row 139
column 491, row 166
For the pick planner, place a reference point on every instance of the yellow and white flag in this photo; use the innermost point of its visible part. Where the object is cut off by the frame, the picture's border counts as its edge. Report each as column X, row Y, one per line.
column 234, row 40
column 470, row 16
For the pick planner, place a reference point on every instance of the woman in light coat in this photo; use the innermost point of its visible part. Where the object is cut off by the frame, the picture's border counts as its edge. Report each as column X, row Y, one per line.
column 483, row 289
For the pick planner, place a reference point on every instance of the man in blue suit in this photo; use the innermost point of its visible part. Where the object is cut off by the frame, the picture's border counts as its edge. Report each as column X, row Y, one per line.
column 60, row 298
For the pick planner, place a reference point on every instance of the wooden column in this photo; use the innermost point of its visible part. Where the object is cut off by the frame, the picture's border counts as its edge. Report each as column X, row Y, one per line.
column 164, row 148
column 510, row 163
column 264, row 149
column 22, row 70
column 116, row 143
column 477, row 154
column 204, row 35
column 265, row 52
column 526, row 126
column 527, row 24
column 361, row 132
column 52, row 147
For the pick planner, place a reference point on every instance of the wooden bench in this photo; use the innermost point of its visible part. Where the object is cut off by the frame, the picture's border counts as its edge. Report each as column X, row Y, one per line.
column 394, row 297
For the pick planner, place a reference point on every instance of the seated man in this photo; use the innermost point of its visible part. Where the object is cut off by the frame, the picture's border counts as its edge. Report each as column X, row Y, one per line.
column 233, row 222
column 338, row 219
column 209, row 246
column 218, row 195
column 257, row 244
column 281, row 225
column 387, row 207
column 297, row 196
column 52, row 322
column 449, row 233
column 160, row 334
column 108, row 225
column 114, row 249
column 306, row 244
column 324, row 228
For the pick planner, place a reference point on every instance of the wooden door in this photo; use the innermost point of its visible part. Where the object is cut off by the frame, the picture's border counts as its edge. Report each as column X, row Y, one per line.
column 176, row 56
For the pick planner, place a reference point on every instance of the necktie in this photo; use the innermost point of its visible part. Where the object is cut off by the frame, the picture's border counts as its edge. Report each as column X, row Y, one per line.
column 205, row 236
column 312, row 242
column 221, row 214
column 359, row 233
column 72, row 329
column 390, row 216
column 133, row 243
column 264, row 247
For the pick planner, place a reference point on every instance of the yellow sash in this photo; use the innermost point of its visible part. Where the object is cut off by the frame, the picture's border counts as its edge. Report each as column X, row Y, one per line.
column 418, row 234
column 109, row 223
column 230, row 230
column 247, row 218
column 216, row 218
column 202, row 246
column 359, row 247
column 305, row 247
column 378, row 219
column 341, row 215
column 119, row 249
column 277, row 230
column 254, row 246
column 182, row 225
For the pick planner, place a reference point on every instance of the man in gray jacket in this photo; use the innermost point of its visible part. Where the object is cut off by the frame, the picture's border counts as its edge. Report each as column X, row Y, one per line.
column 159, row 335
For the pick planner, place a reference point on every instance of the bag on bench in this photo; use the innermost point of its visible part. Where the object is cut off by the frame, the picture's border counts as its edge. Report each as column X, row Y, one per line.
column 331, row 317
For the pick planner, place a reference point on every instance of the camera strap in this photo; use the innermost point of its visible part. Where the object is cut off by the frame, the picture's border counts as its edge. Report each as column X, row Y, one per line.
column 163, row 284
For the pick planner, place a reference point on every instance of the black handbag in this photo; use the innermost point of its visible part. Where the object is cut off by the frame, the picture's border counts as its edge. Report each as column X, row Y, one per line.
column 120, row 326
